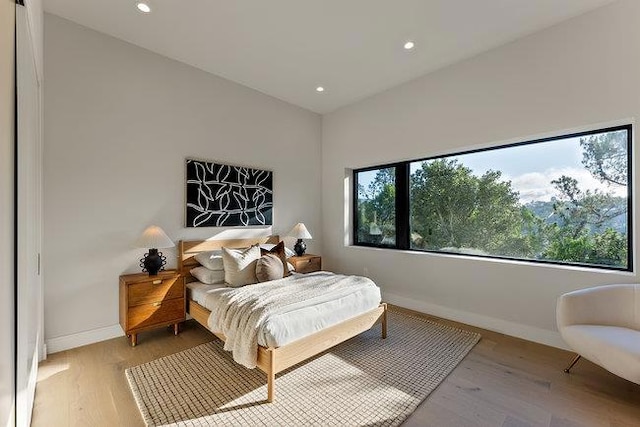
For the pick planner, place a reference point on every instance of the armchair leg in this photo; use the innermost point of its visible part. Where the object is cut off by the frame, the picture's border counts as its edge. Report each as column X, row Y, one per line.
column 573, row 362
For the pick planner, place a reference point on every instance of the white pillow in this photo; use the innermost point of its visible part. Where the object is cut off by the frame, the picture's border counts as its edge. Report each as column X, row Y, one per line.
column 208, row 277
column 287, row 252
column 211, row 259
column 240, row 265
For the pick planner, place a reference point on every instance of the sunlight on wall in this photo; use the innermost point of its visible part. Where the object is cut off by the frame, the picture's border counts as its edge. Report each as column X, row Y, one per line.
column 242, row 233
column 348, row 173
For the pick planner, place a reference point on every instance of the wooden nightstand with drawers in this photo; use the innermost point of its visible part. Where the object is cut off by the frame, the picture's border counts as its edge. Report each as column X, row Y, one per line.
column 149, row 302
column 307, row 263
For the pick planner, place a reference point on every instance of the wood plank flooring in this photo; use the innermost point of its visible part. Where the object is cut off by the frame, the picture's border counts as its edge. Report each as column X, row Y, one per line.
column 504, row 381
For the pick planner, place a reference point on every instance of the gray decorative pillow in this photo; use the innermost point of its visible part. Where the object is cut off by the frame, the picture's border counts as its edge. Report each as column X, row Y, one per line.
column 210, row 259
column 208, row 277
column 240, row 265
column 269, row 267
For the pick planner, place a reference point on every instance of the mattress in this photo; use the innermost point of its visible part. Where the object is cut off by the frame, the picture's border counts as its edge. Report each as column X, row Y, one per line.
column 282, row 329
column 198, row 291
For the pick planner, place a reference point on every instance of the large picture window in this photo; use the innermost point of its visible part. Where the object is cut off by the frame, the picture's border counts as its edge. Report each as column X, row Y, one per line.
column 563, row 200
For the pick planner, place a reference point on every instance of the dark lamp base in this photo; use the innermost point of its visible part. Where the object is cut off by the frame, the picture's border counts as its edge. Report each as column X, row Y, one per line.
column 300, row 247
column 153, row 262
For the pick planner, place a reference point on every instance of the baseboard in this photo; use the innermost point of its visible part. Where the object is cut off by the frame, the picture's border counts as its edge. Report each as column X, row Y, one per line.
column 518, row 330
column 529, row 333
column 68, row 342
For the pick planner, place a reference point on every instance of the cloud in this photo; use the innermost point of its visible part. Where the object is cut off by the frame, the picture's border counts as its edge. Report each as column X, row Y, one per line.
column 534, row 186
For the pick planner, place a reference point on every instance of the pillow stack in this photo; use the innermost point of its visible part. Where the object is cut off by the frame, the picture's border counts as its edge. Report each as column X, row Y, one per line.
column 211, row 271
column 239, row 267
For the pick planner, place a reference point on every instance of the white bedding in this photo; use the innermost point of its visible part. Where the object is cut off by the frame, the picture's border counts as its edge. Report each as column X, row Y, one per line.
column 302, row 318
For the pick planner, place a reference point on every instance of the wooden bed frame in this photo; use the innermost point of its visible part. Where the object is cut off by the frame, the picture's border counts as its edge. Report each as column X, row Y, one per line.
column 274, row 360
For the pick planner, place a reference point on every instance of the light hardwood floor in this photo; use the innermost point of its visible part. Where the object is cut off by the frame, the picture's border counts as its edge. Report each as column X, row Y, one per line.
column 504, row 381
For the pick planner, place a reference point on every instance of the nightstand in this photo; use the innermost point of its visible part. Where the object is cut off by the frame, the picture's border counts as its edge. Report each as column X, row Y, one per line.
column 306, row 263
column 149, row 302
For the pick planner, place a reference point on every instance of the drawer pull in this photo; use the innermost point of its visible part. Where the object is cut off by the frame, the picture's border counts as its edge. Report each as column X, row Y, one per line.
column 157, row 282
column 157, row 304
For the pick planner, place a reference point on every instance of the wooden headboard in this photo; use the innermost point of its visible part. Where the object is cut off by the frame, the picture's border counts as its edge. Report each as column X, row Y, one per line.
column 187, row 249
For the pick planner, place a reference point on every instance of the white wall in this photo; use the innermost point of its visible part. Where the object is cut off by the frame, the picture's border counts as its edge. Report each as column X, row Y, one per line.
column 578, row 74
column 7, row 229
column 119, row 123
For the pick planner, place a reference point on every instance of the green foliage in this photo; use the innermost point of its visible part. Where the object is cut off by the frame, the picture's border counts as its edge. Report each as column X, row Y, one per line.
column 606, row 248
column 578, row 210
column 377, row 209
column 563, row 247
column 605, row 156
column 577, row 236
column 443, row 199
column 453, row 209
column 610, row 248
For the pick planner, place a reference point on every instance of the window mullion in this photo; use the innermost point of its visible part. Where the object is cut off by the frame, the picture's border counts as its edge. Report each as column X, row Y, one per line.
column 402, row 206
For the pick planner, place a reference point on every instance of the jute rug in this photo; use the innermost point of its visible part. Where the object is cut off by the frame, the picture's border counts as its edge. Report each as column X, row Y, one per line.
column 364, row 381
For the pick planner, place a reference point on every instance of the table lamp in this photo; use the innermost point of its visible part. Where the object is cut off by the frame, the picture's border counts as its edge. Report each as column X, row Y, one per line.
column 299, row 231
column 153, row 238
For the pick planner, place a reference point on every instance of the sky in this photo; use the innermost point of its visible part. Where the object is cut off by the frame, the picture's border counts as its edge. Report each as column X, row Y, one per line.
column 531, row 168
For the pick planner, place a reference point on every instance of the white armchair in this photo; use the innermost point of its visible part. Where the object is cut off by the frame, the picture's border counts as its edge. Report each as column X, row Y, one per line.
column 603, row 325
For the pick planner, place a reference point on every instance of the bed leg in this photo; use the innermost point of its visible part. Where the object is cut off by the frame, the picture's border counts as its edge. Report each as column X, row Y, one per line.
column 271, row 376
column 384, row 321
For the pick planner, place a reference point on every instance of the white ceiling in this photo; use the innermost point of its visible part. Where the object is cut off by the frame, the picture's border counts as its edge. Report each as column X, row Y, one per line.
column 285, row 48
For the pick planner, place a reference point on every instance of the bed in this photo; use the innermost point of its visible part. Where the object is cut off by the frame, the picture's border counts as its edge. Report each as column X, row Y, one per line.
column 271, row 358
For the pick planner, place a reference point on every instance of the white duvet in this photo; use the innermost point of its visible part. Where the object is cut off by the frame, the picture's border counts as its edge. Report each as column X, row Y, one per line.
column 242, row 314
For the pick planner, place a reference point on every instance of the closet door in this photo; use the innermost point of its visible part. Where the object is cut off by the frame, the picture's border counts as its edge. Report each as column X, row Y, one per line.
column 29, row 170
column 7, row 202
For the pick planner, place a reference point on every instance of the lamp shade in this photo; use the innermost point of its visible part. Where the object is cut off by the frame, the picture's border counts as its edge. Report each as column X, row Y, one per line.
column 154, row 237
column 299, row 231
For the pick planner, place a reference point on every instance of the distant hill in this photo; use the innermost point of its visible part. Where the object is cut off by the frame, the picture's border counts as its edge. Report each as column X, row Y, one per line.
column 544, row 210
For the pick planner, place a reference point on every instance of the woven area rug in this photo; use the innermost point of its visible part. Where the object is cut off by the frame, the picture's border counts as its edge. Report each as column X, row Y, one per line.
column 364, row 381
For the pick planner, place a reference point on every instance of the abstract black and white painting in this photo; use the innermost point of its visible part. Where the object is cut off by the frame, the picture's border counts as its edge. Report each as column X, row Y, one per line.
column 221, row 195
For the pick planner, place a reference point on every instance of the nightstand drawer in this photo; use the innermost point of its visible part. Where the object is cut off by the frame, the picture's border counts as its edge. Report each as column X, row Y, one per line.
column 169, row 311
column 155, row 290
column 308, row 265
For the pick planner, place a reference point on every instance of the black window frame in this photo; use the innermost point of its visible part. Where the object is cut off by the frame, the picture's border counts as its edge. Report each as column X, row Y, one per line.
column 398, row 175
column 403, row 214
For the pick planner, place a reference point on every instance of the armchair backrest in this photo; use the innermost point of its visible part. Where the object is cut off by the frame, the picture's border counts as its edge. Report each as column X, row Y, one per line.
column 610, row 305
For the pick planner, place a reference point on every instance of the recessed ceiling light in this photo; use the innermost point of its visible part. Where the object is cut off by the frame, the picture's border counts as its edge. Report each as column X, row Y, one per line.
column 319, row 89
column 409, row 45
column 143, row 7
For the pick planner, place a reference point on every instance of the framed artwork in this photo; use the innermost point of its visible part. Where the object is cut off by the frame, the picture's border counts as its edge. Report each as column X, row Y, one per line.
column 220, row 195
